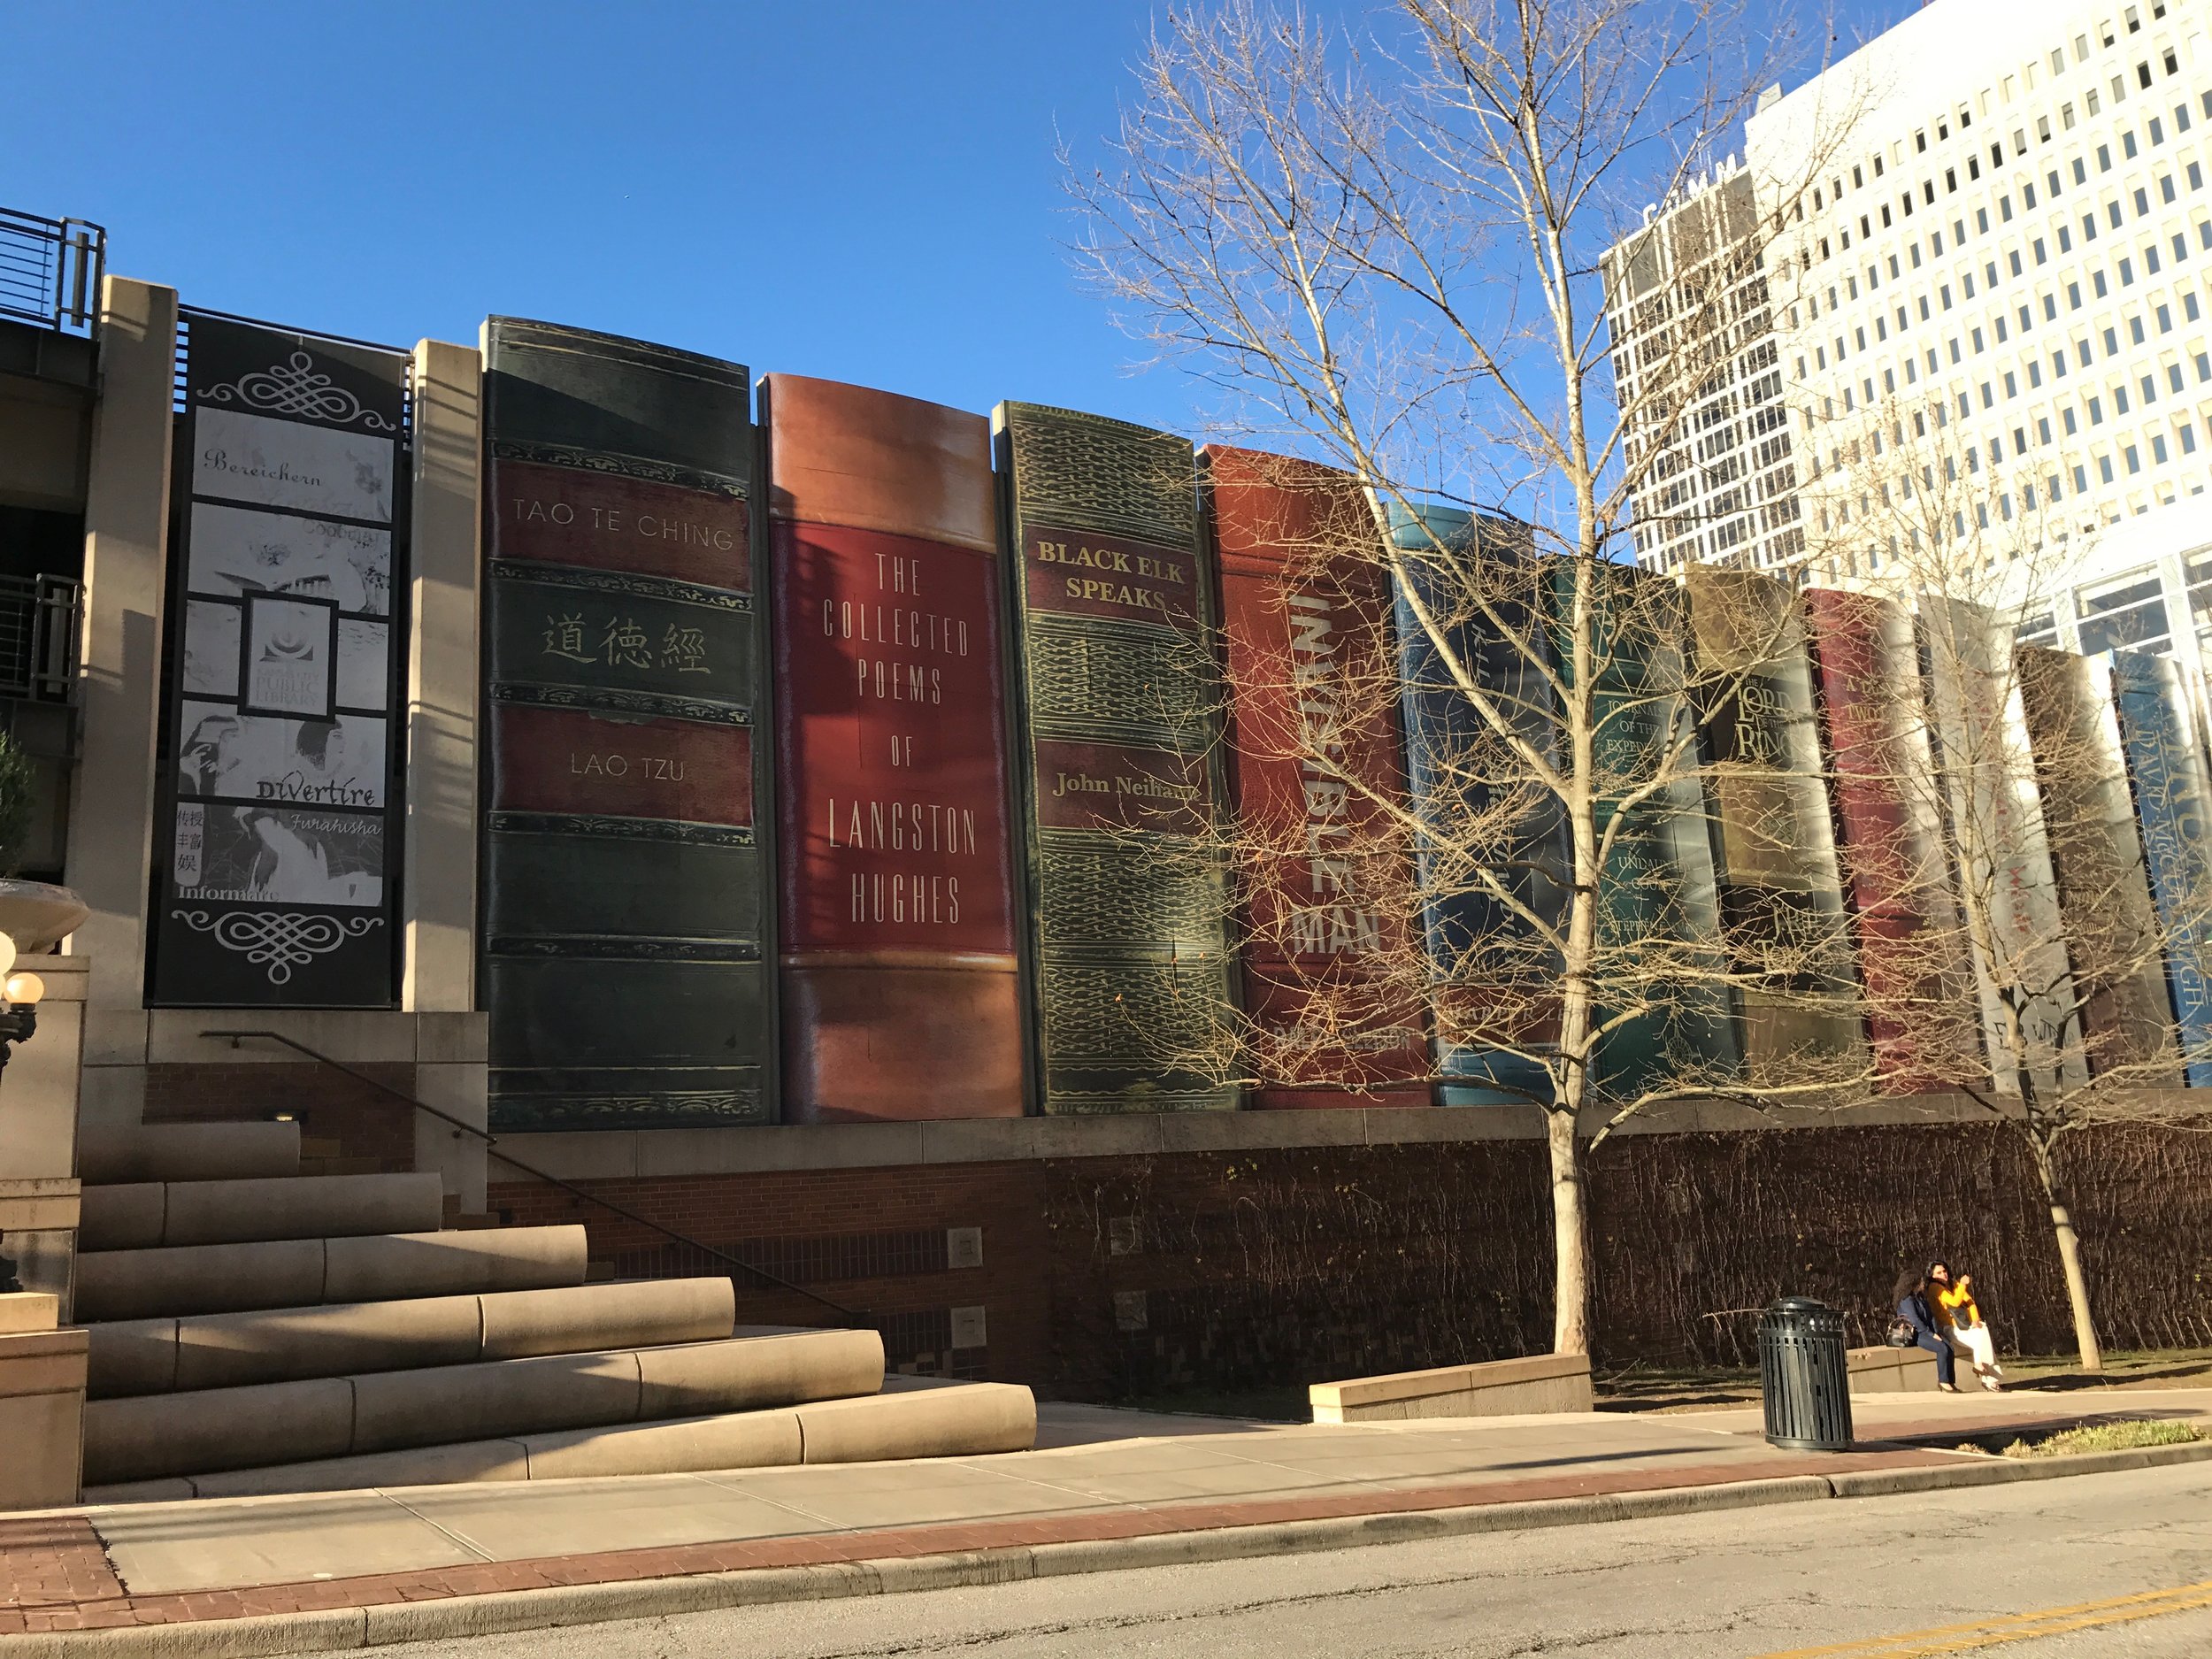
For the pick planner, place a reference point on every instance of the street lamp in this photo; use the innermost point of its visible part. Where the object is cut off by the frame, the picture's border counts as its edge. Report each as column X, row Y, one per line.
column 20, row 994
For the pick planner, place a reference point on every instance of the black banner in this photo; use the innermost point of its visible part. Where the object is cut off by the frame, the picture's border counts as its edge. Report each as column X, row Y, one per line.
column 276, row 855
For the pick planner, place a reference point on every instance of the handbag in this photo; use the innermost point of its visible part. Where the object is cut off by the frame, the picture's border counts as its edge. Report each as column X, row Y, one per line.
column 1901, row 1334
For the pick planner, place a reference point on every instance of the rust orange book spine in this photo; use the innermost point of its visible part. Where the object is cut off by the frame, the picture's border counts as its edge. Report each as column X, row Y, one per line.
column 901, row 995
column 1312, row 676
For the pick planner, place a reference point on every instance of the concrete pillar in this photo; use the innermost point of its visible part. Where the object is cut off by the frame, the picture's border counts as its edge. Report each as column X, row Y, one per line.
column 40, row 1206
column 442, row 688
column 439, row 975
column 112, row 816
column 41, row 1414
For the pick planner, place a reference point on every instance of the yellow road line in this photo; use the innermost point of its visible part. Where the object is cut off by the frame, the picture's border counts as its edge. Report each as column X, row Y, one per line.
column 2011, row 1627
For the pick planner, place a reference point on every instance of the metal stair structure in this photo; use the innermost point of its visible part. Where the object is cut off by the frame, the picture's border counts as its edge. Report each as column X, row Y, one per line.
column 254, row 1328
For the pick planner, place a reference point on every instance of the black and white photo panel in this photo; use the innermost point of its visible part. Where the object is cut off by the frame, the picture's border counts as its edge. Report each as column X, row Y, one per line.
column 225, row 755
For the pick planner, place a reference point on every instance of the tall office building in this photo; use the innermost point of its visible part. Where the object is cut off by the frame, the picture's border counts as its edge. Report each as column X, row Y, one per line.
column 1997, row 263
column 2009, row 232
column 1696, row 371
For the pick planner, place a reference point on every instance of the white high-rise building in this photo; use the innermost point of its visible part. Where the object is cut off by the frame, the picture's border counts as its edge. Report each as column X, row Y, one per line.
column 2008, row 238
column 2002, row 223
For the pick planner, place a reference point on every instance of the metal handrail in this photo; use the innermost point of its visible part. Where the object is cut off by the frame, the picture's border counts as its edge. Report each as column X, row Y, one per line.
column 491, row 1141
column 40, row 622
column 50, row 269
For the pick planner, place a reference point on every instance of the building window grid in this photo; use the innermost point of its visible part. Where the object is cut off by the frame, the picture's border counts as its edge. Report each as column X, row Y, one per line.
column 2180, row 289
column 2030, row 360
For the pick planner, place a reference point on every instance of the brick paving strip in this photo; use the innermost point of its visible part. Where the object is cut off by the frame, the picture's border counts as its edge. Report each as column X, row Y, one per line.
column 60, row 1594
column 55, row 1574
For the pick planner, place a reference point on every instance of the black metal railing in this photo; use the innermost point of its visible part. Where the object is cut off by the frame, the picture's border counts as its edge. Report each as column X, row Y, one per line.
column 41, row 619
column 49, row 269
column 682, row 1243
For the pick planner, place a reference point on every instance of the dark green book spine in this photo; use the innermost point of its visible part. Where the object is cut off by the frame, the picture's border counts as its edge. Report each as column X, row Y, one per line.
column 1114, row 609
column 624, row 880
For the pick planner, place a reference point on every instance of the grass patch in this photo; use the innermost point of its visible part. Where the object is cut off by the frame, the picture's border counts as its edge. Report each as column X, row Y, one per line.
column 2108, row 1437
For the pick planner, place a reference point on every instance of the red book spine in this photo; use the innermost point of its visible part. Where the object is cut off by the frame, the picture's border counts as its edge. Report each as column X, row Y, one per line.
column 1308, row 649
column 894, row 860
column 1866, row 674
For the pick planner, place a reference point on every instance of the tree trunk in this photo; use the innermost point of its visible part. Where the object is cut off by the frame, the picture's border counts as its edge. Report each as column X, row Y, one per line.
column 2070, row 1258
column 1570, row 1233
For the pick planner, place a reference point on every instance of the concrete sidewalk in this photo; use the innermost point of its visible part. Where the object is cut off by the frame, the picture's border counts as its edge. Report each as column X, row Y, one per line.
column 1107, row 1489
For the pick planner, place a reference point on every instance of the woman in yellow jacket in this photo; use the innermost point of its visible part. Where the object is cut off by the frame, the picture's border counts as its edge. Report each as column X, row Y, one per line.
column 1959, row 1318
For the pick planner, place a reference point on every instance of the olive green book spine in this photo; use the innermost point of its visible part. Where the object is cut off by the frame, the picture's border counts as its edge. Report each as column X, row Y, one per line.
column 1117, row 739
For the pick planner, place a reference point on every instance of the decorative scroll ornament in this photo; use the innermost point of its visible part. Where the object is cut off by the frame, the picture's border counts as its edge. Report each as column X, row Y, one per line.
column 296, row 388
column 279, row 941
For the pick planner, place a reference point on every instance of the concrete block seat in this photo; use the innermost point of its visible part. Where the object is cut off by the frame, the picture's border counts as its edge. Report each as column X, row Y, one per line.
column 144, row 1215
column 1541, row 1382
column 196, row 1279
column 960, row 1420
column 109, row 1155
column 1879, row 1370
column 228, row 1350
column 142, row 1437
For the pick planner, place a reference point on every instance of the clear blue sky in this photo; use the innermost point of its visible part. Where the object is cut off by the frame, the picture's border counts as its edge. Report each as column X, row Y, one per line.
column 861, row 191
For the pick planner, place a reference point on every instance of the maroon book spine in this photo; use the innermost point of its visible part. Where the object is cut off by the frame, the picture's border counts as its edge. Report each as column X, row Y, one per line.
column 1866, row 672
column 901, row 995
column 1308, row 647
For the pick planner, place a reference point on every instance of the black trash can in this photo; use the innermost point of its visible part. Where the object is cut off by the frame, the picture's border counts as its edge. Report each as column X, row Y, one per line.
column 1804, row 1376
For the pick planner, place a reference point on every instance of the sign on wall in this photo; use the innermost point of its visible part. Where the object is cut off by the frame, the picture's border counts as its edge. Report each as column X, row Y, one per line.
column 275, row 881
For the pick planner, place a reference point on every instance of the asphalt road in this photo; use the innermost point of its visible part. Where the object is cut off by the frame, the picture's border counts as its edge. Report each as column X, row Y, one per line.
column 1842, row 1578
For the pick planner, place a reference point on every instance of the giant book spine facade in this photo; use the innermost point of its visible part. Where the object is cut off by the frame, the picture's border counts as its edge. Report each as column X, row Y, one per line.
column 2113, row 934
column 900, row 997
column 622, row 888
column 1671, row 1020
column 1911, row 942
column 1491, row 859
column 2173, row 807
column 1781, row 892
column 1119, row 725
column 1314, row 766
column 2000, row 855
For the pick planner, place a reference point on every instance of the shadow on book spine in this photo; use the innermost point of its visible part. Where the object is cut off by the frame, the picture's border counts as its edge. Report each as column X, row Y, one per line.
column 901, row 995
column 1315, row 765
column 624, row 891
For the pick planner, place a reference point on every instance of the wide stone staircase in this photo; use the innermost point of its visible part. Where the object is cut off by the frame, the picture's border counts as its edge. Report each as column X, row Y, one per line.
column 255, row 1329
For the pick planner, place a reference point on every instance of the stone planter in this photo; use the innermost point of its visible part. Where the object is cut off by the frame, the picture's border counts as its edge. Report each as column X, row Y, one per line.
column 39, row 915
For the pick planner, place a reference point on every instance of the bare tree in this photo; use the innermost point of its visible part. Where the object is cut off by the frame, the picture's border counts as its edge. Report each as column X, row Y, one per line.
column 1385, row 253
column 2074, row 898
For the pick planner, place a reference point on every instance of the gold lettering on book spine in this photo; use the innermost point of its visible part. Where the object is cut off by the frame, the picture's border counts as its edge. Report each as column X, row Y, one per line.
column 1132, row 961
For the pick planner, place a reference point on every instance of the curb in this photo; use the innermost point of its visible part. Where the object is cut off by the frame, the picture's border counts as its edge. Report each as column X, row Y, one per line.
column 348, row 1629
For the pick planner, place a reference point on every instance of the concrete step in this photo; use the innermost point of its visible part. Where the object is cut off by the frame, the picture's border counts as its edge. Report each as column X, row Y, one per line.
column 350, row 1166
column 150, row 1436
column 149, row 1213
column 961, row 1420
column 188, row 1152
column 226, row 1350
column 196, row 1279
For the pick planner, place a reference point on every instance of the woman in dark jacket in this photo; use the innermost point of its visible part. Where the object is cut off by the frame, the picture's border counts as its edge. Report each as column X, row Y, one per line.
column 1911, row 1303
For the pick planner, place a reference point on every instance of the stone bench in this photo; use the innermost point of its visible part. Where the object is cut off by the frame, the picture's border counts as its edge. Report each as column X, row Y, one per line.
column 1542, row 1382
column 1889, row 1371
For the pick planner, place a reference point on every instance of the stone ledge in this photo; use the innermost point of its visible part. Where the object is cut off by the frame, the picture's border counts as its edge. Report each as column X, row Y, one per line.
column 632, row 1154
